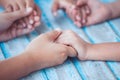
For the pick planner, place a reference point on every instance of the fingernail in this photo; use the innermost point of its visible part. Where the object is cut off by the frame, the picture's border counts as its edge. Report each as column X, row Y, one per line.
column 55, row 13
column 30, row 26
column 78, row 24
column 29, row 9
column 36, row 18
column 78, row 18
column 87, row 11
column 35, row 13
column 31, row 21
column 24, row 25
column 84, row 21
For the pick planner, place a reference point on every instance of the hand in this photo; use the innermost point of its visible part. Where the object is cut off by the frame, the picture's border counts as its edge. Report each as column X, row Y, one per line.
column 77, row 14
column 45, row 52
column 99, row 11
column 7, row 19
column 70, row 38
column 33, row 20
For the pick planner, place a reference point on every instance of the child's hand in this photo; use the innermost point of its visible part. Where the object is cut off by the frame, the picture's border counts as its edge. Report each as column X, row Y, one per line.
column 72, row 39
column 30, row 21
column 76, row 13
column 99, row 11
column 7, row 19
column 9, row 28
column 45, row 52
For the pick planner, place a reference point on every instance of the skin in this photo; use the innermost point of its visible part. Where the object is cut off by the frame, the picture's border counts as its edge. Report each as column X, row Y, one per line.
column 77, row 14
column 87, row 51
column 9, row 28
column 100, row 12
column 15, row 5
column 36, row 56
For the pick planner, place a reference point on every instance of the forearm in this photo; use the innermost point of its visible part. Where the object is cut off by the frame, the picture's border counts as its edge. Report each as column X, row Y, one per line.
column 0, row 2
column 105, row 51
column 14, row 68
column 115, row 9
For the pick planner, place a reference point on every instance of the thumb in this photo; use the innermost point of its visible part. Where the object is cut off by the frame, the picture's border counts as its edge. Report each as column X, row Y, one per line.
column 19, row 14
column 53, row 35
column 71, row 52
column 55, row 8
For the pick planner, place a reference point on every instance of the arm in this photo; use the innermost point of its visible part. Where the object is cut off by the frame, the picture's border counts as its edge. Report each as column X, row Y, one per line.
column 87, row 51
column 36, row 56
column 105, row 51
column 14, row 68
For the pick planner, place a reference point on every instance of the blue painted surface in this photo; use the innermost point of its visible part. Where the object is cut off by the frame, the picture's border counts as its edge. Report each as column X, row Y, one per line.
column 72, row 69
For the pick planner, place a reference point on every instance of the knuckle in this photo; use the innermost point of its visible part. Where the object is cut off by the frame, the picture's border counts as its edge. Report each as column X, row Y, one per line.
column 63, row 55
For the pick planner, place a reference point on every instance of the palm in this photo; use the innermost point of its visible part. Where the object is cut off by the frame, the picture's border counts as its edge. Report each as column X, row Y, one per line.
column 99, row 12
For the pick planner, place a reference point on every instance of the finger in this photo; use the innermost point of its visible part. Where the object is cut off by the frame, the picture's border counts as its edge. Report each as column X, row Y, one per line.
column 35, row 13
column 84, row 15
column 55, row 8
column 73, row 12
column 37, row 17
column 78, row 16
column 29, row 26
column 71, row 52
column 78, row 24
column 30, row 3
column 31, row 19
column 9, row 9
column 37, row 24
column 53, row 35
column 15, row 7
column 21, row 24
column 23, row 31
column 38, row 11
column 18, row 14
column 87, row 9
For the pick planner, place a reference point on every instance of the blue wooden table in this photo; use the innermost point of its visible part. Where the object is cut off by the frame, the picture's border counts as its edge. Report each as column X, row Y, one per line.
column 72, row 69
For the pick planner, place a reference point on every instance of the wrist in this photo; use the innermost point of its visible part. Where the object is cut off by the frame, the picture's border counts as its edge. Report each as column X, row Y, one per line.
column 27, row 61
column 82, row 50
column 86, row 51
column 33, row 61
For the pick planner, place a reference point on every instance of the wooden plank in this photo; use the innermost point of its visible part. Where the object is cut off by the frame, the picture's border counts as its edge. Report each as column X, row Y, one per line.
column 115, row 25
column 1, row 55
